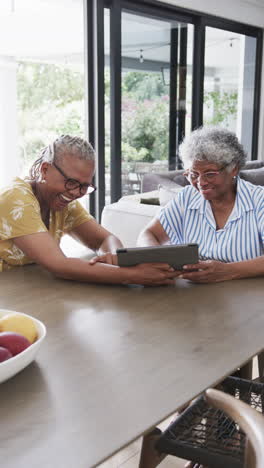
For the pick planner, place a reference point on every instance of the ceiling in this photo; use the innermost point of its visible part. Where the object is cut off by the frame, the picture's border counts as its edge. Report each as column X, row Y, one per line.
column 53, row 31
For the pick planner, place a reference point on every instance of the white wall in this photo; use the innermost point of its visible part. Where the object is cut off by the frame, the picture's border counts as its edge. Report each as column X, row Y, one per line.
column 244, row 11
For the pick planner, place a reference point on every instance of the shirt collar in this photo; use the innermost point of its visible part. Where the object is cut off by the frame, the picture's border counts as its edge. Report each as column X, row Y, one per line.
column 197, row 201
column 243, row 200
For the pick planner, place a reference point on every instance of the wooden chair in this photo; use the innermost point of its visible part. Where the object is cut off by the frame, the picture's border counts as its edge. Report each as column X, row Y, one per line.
column 250, row 421
column 217, row 430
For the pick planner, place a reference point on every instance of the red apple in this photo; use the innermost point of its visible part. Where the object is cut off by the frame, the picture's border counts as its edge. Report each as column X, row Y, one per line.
column 4, row 354
column 14, row 342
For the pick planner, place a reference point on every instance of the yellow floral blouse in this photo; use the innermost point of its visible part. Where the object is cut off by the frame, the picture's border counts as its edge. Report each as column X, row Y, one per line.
column 20, row 216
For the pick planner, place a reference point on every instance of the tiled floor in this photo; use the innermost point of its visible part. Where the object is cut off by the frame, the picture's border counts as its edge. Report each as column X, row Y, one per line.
column 129, row 457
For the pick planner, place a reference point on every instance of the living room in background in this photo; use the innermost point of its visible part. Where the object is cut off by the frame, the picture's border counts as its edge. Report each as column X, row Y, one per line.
column 41, row 78
column 162, row 83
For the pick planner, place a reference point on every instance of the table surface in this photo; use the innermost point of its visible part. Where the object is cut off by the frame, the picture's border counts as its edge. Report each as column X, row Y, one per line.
column 116, row 361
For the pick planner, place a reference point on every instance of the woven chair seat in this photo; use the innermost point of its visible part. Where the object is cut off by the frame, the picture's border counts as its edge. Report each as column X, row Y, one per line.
column 205, row 435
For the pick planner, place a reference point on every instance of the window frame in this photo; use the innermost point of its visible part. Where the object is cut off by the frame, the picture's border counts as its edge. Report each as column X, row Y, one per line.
column 94, row 24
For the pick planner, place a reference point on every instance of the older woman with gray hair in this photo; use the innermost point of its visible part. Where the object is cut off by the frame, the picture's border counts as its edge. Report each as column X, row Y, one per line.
column 36, row 212
column 220, row 212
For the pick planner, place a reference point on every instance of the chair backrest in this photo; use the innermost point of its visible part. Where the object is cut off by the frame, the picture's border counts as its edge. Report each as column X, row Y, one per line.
column 250, row 421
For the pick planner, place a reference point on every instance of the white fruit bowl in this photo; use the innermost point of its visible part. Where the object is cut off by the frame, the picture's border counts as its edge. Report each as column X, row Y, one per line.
column 12, row 366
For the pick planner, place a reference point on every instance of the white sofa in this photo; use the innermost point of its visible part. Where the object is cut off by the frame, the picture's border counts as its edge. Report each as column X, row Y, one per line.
column 128, row 217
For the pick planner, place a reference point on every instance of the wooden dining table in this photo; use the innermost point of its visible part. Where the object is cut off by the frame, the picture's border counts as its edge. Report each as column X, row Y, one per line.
column 116, row 361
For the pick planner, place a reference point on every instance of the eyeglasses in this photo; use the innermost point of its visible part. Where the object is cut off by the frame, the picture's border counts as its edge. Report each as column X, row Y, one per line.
column 207, row 176
column 73, row 184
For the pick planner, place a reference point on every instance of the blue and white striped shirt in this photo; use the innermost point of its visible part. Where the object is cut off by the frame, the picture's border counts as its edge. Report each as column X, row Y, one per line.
column 188, row 218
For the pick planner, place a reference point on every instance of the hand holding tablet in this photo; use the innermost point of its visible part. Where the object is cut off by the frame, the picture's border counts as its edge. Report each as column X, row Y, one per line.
column 175, row 255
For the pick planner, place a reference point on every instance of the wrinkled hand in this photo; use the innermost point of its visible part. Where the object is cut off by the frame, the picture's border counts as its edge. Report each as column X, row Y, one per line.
column 109, row 258
column 152, row 274
column 209, row 271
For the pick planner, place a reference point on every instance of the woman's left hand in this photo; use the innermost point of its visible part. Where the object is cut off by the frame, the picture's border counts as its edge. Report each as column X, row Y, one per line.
column 108, row 257
column 208, row 271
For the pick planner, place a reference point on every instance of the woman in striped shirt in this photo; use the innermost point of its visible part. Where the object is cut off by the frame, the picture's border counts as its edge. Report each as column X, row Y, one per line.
column 220, row 212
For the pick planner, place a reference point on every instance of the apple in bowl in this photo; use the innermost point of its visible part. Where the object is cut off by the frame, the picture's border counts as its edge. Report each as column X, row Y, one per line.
column 13, row 342
column 21, row 338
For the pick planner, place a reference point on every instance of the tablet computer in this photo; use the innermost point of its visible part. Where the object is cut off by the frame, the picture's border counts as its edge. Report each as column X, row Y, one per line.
column 174, row 255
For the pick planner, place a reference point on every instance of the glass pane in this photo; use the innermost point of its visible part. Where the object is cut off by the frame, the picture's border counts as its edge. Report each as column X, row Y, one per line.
column 229, row 82
column 107, row 106
column 146, row 68
column 41, row 78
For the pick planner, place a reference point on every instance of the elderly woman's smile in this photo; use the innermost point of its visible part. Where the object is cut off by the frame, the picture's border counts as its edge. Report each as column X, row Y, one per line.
column 213, row 181
column 64, row 200
column 66, row 181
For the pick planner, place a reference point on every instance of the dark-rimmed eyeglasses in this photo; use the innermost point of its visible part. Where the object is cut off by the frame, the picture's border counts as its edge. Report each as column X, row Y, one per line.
column 73, row 184
column 207, row 176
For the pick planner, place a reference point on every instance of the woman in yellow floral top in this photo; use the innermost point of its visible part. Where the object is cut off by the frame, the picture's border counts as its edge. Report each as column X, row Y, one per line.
column 36, row 212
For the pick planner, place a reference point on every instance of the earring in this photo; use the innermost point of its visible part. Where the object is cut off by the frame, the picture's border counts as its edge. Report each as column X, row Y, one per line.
column 43, row 181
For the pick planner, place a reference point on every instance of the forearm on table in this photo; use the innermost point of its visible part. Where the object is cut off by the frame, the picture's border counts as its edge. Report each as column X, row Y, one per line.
column 109, row 244
column 81, row 270
column 247, row 268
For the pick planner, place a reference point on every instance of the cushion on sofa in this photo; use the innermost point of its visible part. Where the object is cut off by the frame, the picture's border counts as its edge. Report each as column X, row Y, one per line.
column 127, row 218
column 255, row 164
column 255, row 176
column 166, row 194
column 140, row 197
column 180, row 179
column 151, row 181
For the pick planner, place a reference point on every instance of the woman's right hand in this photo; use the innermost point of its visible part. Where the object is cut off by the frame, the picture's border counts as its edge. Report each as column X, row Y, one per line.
column 151, row 274
column 109, row 258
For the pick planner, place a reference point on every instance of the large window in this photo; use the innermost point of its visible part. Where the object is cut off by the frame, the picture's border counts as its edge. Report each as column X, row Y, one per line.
column 41, row 78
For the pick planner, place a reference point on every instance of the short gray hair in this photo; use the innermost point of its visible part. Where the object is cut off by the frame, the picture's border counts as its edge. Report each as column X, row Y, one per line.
column 65, row 144
column 212, row 144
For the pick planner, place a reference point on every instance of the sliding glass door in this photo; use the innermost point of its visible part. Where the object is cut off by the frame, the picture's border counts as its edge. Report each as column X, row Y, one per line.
column 154, row 95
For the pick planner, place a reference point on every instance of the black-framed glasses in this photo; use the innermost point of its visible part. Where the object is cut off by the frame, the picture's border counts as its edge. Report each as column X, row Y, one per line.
column 73, row 184
column 207, row 176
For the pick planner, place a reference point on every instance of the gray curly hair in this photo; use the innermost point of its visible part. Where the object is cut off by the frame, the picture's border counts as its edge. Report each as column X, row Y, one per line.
column 213, row 144
column 75, row 146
